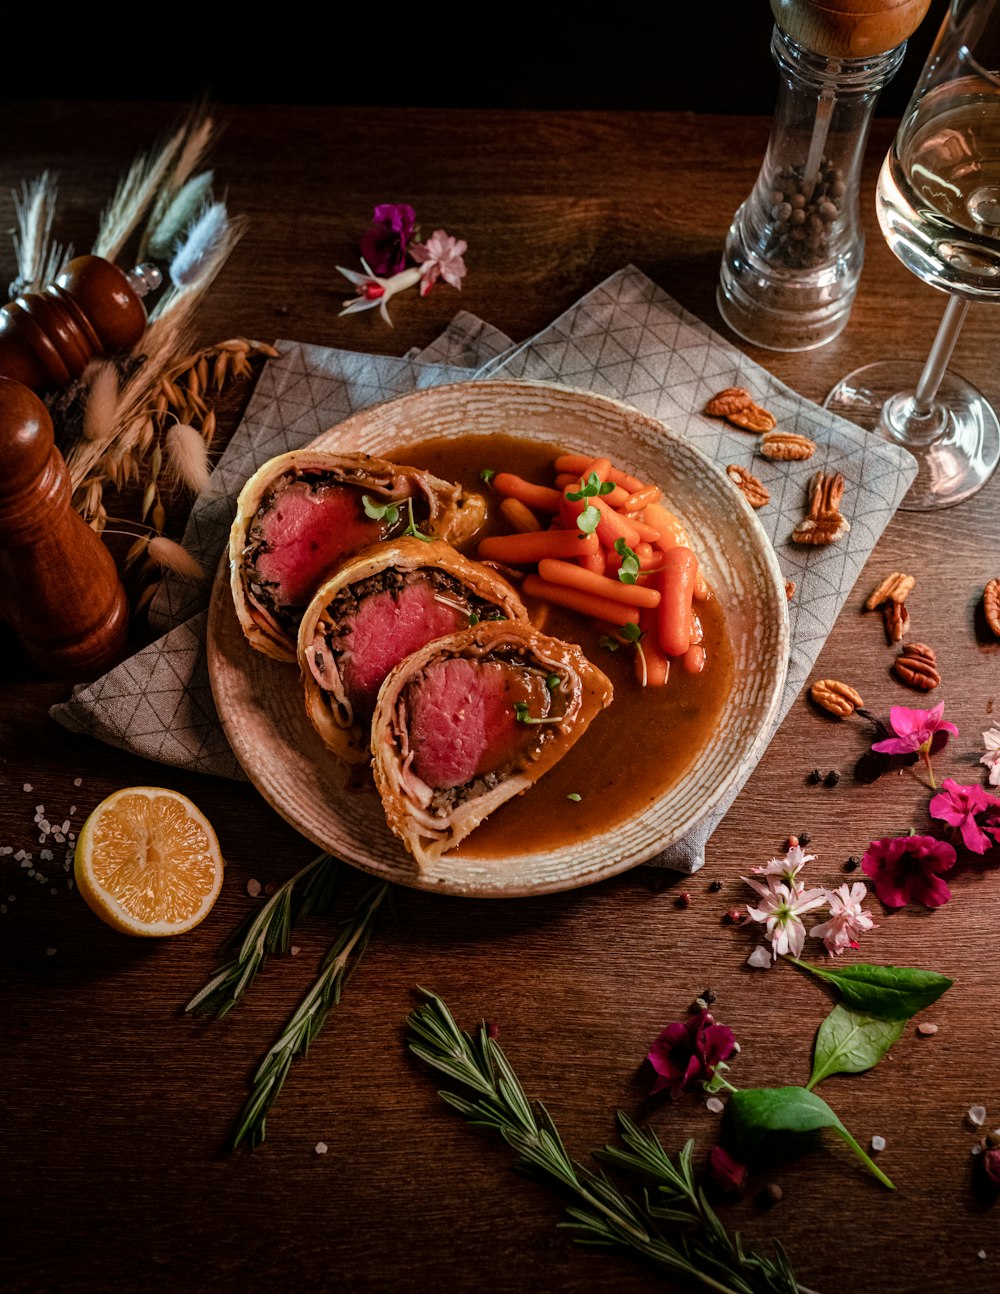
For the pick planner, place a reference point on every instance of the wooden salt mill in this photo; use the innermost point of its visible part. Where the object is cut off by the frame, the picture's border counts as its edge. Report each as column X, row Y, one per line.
column 93, row 308
column 59, row 588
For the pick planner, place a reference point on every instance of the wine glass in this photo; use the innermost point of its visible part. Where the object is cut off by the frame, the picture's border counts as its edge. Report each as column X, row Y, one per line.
column 938, row 204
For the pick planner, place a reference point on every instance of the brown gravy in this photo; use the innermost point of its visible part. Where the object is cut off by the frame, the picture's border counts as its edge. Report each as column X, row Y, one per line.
column 634, row 750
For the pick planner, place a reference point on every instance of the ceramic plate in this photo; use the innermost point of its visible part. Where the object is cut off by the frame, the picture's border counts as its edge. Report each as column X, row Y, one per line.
column 260, row 701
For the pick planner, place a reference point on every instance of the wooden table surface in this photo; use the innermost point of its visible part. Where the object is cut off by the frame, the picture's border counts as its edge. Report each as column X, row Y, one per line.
column 117, row 1107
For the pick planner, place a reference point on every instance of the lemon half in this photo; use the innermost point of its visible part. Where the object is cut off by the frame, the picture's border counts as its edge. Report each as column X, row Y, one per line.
column 148, row 862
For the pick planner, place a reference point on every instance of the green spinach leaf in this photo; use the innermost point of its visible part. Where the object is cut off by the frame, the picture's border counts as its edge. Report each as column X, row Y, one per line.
column 850, row 1042
column 760, row 1110
column 890, row 992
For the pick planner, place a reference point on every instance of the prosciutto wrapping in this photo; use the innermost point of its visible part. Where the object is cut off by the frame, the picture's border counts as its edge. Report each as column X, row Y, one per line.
column 468, row 722
column 377, row 608
column 303, row 513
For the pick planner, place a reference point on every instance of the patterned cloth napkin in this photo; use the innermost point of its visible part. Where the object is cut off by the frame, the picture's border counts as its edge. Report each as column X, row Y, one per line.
column 626, row 339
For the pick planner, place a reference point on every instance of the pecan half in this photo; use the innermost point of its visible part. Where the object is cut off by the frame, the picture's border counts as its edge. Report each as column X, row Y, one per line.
column 731, row 400
column 895, row 586
column 824, row 524
column 753, row 419
column 835, row 697
column 916, row 666
column 786, row 446
column 991, row 606
column 896, row 620
column 754, row 491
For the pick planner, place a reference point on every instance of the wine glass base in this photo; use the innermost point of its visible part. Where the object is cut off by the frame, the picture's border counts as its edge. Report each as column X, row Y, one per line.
column 957, row 450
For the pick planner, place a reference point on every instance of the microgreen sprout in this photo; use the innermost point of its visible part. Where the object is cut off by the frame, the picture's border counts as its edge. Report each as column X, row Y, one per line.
column 608, row 643
column 575, row 796
column 473, row 619
column 629, row 568
column 387, row 512
column 411, row 528
column 592, row 486
column 522, row 714
column 487, row 474
column 552, row 682
column 633, row 634
column 588, row 519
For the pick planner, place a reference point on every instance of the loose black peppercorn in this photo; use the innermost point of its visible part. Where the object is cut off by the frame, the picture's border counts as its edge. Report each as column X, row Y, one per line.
column 714, row 887
column 832, row 778
column 852, row 864
column 707, row 996
column 815, row 777
column 804, row 838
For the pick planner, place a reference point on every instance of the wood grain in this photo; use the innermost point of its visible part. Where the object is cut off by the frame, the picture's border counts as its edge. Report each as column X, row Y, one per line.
column 116, row 1109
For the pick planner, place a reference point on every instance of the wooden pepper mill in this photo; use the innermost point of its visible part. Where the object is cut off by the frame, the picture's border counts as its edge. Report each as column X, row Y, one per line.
column 59, row 588
column 93, row 308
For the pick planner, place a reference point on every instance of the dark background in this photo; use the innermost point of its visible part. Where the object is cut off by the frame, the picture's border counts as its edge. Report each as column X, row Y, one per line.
column 707, row 56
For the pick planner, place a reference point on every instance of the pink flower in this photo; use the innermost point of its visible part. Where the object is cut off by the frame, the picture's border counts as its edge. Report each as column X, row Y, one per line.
column 991, row 1164
column 688, row 1052
column 847, row 920
column 786, row 868
column 386, row 241
column 728, row 1174
column 917, row 731
column 958, row 806
column 781, row 910
column 441, row 257
column 907, row 869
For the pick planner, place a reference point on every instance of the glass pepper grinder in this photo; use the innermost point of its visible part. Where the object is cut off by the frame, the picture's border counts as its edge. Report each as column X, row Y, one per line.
column 794, row 251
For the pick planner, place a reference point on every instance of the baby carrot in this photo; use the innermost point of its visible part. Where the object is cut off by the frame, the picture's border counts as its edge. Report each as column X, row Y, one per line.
column 616, row 498
column 676, row 585
column 637, row 501
column 577, row 463
column 694, row 659
column 575, row 577
column 526, row 549
column 612, row 613
column 519, row 516
column 649, row 534
column 652, row 668
column 597, row 564
column 672, row 533
column 542, row 497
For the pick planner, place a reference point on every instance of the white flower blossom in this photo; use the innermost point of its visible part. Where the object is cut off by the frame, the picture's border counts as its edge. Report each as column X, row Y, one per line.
column 781, row 910
column 847, row 920
column 991, row 740
column 787, row 868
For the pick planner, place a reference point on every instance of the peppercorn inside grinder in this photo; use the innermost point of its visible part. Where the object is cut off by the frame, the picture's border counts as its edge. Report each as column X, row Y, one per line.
column 795, row 249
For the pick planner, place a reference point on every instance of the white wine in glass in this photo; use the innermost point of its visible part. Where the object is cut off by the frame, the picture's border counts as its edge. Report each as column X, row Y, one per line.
column 938, row 204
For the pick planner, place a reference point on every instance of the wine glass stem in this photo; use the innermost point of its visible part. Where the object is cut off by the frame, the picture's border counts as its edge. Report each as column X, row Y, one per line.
column 941, row 352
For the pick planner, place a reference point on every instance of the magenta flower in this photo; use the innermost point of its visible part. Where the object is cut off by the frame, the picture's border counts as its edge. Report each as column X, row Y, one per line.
column 920, row 732
column 441, row 257
column 386, row 241
column 906, row 869
column 727, row 1173
column 958, row 806
column 991, row 1165
column 688, row 1052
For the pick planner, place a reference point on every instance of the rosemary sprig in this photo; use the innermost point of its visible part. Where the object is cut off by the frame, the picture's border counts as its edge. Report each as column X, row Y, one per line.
column 267, row 932
column 703, row 1254
column 307, row 1019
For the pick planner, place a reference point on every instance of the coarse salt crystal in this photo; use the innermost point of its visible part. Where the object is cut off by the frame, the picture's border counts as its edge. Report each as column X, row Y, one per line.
column 50, row 952
column 714, row 1104
column 19, row 855
column 760, row 957
column 58, row 837
column 28, row 787
column 926, row 1030
column 321, row 1147
column 878, row 1143
column 77, row 781
column 65, row 826
column 253, row 888
column 45, row 825
column 72, row 809
column 977, row 1115
column 981, row 1254
column 53, row 890
column 46, row 854
column 6, row 849
column 11, row 898
column 976, row 1149
column 294, row 950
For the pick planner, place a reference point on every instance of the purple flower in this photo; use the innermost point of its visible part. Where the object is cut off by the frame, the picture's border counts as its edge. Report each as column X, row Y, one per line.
column 920, row 732
column 958, row 806
column 386, row 241
column 687, row 1052
column 907, row 869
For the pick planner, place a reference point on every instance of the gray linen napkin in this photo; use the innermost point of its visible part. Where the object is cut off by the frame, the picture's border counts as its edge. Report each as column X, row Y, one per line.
column 626, row 339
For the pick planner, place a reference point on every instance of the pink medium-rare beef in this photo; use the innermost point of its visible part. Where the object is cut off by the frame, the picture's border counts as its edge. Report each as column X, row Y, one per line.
column 385, row 628
column 306, row 533
column 462, row 720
